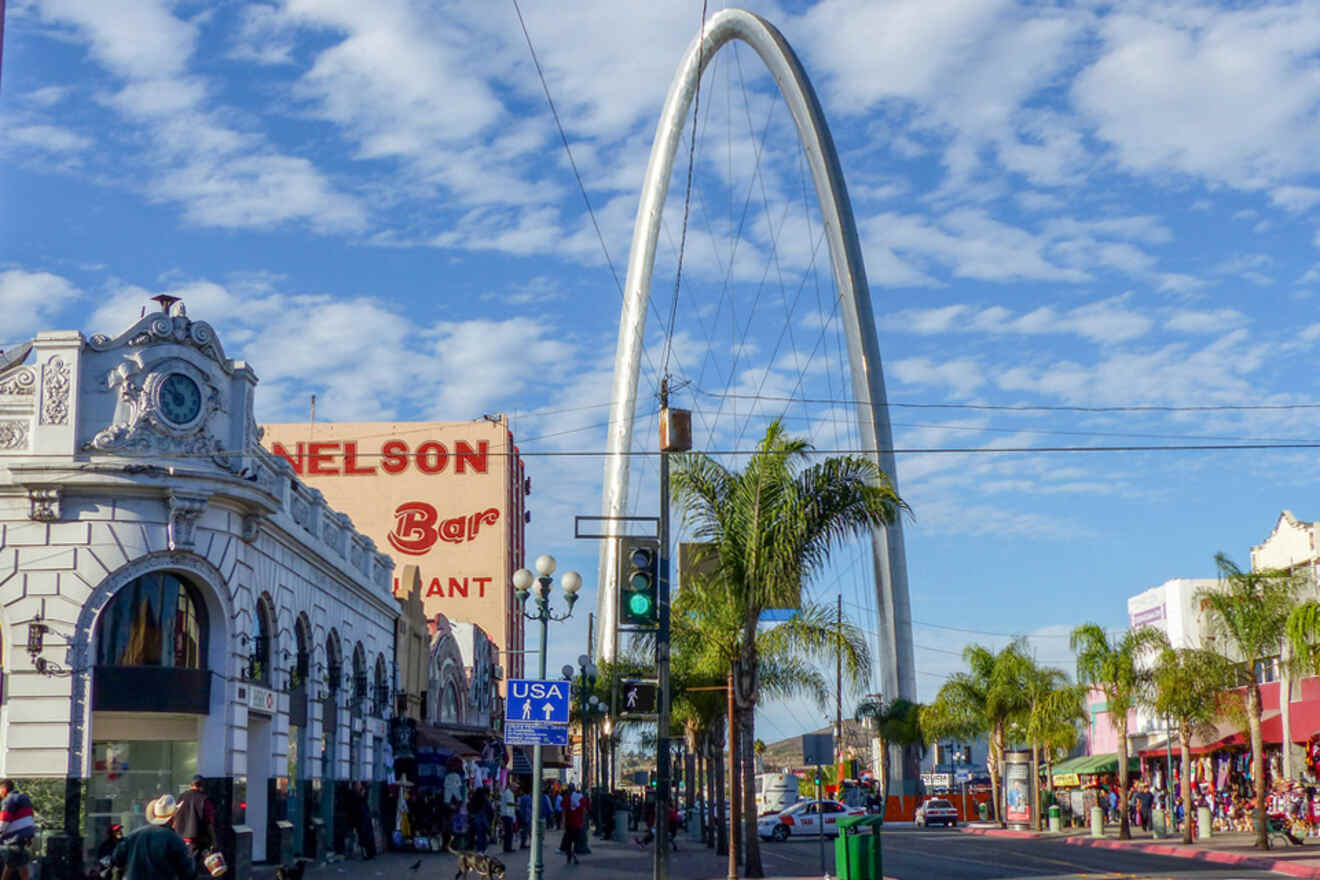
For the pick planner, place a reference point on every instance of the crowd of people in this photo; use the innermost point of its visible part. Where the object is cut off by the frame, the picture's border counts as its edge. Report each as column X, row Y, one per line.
column 1292, row 807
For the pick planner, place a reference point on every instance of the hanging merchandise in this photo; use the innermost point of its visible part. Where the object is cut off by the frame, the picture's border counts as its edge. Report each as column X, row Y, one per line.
column 1313, row 755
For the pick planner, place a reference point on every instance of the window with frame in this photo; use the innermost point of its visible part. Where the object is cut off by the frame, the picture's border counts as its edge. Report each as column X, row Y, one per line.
column 155, row 620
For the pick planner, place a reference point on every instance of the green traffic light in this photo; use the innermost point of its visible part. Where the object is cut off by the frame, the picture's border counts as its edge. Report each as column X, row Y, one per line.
column 639, row 604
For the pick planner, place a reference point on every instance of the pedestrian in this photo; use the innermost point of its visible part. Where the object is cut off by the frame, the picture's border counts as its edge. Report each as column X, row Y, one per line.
column 1111, row 806
column 362, row 822
column 454, row 798
column 559, row 809
column 524, row 819
column 155, row 851
column 479, row 817
column 673, row 826
column 18, row 827
column 574, row 818
column 106, row 848
column 195, row 820
column 508, row 813
column 1145, row 803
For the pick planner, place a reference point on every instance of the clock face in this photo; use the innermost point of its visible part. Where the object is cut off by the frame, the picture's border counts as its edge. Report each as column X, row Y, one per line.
column 180, row 399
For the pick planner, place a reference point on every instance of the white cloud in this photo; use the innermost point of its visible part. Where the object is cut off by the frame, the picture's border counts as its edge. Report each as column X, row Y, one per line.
column 46, row 138
column 1226, row 95
column 1103, row 321
column 1214, row 321
column 29, row 301
column 1295, row 199
column 963, row 376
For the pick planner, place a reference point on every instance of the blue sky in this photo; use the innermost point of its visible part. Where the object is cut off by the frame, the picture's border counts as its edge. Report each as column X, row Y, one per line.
column 1077, row 205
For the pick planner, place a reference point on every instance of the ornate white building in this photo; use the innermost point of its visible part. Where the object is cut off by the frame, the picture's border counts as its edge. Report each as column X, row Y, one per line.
column 173, row 600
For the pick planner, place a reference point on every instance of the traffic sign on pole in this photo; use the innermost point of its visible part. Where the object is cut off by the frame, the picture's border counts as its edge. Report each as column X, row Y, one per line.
column 523, row 733
column 536, row 701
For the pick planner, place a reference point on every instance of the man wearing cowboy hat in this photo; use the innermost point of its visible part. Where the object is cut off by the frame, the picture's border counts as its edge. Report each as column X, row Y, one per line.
column 155, row 851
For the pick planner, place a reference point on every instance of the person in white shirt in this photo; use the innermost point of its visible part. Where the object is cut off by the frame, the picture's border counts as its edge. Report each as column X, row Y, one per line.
column 508, row 813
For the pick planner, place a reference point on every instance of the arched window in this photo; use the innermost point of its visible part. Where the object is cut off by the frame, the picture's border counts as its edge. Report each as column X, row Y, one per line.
column 449, row 704
column 155, row 620
column 359, row 701
column 259, row 660
column 334, row 662
column 382, row 695
column 302, row 661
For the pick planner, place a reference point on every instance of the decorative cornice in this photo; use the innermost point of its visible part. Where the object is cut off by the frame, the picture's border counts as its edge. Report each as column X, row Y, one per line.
column 174, row 327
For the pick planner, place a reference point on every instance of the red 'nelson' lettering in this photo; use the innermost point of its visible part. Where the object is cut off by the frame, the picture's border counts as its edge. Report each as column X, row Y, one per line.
column 322, row 458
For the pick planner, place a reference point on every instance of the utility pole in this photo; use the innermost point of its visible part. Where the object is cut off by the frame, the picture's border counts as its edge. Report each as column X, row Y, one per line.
column 838, row 680
column 662, row 759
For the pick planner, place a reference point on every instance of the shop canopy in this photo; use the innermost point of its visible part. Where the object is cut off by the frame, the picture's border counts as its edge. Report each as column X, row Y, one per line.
column 1090, row 765
column 429, row 737
column 1229, row 735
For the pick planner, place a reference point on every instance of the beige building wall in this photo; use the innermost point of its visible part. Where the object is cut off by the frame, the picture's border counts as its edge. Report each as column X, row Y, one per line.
column 446, row 497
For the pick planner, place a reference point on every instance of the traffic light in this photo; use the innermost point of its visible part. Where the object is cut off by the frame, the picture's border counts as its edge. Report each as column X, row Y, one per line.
column 639, row 582
column 639, row 696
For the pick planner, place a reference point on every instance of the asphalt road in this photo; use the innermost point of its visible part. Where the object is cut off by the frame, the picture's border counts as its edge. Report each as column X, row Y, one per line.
column 932, row 854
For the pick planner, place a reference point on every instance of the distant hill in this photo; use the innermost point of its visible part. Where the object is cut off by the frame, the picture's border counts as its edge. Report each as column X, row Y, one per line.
column 788, row 752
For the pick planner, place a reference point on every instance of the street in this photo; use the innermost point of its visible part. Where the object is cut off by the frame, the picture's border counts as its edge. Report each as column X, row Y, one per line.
column 909, row 854
column 930, row 854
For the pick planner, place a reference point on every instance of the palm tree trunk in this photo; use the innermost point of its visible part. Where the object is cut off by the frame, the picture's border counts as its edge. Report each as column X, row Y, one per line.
column 996, row 768
column 751, row 841
column 1257, row 763
column 1124, row 827
column 884, row 775
column 1035, row 784
column 735, row 790
column 1185, row 783
column 719, row 821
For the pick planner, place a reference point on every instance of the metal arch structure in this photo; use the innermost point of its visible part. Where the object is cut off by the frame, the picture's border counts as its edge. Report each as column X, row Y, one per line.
column 894, row 611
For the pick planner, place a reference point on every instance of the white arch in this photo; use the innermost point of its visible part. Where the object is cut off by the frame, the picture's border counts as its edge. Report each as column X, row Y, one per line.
column 894, row 625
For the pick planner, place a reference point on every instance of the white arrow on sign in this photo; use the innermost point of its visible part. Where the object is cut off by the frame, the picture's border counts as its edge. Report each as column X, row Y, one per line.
column 548, row 710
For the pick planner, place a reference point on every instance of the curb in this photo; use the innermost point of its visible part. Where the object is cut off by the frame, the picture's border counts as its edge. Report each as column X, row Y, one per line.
column 1004, row 832
column 1278, row 866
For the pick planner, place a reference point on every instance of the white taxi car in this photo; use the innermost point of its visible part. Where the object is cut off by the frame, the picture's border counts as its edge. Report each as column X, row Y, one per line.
column 805, row 817
column 936, row 811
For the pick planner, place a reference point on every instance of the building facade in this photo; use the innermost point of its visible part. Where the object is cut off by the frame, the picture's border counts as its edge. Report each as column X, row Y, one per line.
column 447, row 497
column 174, row 600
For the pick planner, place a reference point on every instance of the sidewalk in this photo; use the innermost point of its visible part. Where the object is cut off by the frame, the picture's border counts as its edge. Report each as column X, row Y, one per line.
column 608, row 861
column 1231, row 848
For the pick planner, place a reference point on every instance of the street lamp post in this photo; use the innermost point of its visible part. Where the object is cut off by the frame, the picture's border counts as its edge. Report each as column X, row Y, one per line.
column 525, row 582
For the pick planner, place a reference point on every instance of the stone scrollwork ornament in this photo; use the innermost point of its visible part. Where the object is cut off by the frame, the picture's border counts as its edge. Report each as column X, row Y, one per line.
column 44, row 504
column 13, row 434
column 55, row 393
column 22, row 382
column 185, row 510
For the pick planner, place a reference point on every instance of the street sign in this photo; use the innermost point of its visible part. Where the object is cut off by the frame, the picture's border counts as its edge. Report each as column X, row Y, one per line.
column 638, row 696
column 818, row 748
column 963, row 776
column 530, row 733
column 535, row 701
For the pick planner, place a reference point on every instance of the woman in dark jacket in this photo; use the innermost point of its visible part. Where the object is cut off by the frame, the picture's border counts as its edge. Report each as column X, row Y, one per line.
column 479, row 814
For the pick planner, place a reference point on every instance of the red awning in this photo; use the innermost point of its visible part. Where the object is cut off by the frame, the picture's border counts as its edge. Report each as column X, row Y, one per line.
column 1228, row 735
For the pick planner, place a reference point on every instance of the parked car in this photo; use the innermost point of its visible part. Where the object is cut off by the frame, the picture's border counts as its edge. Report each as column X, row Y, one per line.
column 936, row 811
column 806, row 817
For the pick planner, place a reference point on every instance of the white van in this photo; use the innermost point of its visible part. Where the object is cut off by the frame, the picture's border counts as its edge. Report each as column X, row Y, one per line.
column 775, row 792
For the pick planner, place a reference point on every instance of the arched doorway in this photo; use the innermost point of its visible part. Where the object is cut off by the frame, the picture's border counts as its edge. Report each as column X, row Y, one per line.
column 151, row 693
column 261, row 785
column 334, row 679
column 357, row 709
column 299, row 683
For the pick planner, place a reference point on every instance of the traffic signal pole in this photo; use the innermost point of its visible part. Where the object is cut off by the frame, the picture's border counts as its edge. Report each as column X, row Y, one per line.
column 662, row 762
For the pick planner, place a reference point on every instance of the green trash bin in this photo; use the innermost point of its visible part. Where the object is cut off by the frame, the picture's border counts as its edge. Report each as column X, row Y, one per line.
column 856, row 853
column 983, row 811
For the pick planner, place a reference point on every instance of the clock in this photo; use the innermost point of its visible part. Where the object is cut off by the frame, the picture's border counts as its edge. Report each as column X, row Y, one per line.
column 180, row 399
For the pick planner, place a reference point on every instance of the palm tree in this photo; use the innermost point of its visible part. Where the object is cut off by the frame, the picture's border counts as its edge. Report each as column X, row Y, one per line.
column 898, row 723
column 1249, row 611
column 1114, row 668
column 1190, row 684
column 770, row 529
column 984, row 701
column 1053, row 705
